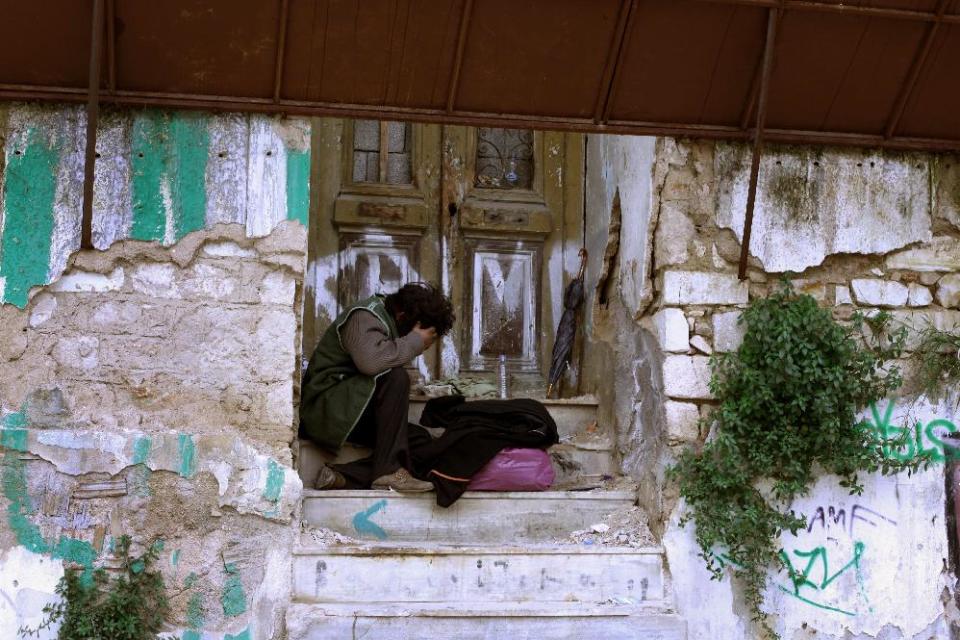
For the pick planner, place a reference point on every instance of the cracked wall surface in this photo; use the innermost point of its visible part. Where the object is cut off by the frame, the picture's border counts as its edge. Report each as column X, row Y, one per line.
column 148, row 388
column 857, row 230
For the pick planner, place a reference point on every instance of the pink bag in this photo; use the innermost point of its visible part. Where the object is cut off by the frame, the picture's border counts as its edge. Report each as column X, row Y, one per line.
column 515, row 470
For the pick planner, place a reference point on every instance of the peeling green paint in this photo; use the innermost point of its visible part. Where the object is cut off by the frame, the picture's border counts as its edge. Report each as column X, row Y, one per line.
column 14, row 481
column 175, row 558
column 187, row 453
column 147, row 173
column 190, row 635
column 190, row 144
column 195, row 611
column 274, row 485
column 243, row 635
column 233, row 598
column 298, row 185
column 30, row 185
column 141, row 450
column 15, row 419
column 190, row 580
column 168, row 179
column 14, row 439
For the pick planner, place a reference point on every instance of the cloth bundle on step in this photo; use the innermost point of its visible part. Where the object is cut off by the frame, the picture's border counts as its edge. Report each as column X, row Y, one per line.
column 515, row 469
column 475, row 432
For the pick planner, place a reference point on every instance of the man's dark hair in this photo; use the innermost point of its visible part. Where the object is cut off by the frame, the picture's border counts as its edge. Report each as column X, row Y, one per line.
column 421, row 302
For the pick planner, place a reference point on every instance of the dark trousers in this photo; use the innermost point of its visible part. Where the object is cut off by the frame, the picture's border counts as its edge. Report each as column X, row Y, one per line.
column 383, row 427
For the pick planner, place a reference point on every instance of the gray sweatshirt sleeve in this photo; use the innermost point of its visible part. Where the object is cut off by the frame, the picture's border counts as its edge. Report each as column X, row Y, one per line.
column 370, row 346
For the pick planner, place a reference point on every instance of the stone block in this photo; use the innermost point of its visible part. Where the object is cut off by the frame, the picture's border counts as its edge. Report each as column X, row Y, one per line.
column 44, row 305
column 675, row 231
column 227, row 250
column 700, row 344
column 879, row 293
column 727, row 332
column 682, row 420
column 687, row 377
column 155, row 280
column 700, row 287
column 842, row 295
column 673, row 333
column 939, row 255
column 88, row 282
column 919, row 296
column 278, row 288
column 948, row 290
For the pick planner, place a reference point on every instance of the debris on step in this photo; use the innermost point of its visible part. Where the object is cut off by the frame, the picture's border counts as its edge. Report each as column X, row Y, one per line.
column 325, row 537
column 623, row 528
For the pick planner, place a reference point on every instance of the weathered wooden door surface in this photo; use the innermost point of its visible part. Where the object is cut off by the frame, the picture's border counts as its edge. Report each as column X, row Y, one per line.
column 494, row 216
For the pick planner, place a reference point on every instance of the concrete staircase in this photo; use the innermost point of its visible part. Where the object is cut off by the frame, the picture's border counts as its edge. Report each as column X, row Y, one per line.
column 584, row 457
column 493, row 566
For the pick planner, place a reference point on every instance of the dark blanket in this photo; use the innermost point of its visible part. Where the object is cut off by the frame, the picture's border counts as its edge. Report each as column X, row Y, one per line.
column 474, row 433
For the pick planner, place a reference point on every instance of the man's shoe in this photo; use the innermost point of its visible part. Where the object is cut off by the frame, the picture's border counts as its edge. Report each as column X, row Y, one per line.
column 329, row 479
column 401, row 481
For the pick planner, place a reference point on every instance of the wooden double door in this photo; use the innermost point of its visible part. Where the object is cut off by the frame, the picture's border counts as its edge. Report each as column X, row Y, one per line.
column 492, row 216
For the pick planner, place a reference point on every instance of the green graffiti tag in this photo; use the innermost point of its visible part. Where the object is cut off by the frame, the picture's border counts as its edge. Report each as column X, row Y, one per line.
column 817, row 559
column 912, row 443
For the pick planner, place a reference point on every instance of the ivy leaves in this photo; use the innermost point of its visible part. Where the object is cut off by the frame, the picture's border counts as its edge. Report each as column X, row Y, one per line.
column 130, row 606
column 788, row 404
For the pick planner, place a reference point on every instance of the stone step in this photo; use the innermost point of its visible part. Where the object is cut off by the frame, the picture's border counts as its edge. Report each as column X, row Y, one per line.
column 384, row 573
column 477, row 518
column 520, row 622
column 576, row 465
column 575, row 417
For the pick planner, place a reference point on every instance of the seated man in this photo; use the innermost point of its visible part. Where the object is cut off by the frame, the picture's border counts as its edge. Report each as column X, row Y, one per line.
column 356, row 389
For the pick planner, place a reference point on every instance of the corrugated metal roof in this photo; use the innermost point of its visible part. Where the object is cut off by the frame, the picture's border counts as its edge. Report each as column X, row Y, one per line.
column 877, row 72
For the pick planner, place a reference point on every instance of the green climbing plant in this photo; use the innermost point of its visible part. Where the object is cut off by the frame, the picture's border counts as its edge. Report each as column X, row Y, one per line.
column 132, row 605
column 937, row 358
column 788, row 401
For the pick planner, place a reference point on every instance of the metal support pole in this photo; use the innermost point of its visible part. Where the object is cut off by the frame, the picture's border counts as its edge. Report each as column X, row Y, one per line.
column 93, row 118
column 772, row 21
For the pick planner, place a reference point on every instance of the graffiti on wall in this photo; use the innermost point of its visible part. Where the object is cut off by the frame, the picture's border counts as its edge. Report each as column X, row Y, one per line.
column 914, row 440
column 826, row 565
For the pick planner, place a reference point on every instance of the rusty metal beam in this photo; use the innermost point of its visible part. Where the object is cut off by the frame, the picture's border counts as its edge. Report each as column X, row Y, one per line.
column 440, row 116
column 93, row 118
column 750, row 109
column 281, row 49
column 458, row 59
column 773, row 19
column 844, row 9
column 612, row 66
column 111, row 45
column 916, row 68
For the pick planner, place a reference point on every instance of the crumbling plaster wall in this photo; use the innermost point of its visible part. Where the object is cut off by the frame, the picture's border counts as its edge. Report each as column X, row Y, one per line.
column 855, row 229
column 148, row 388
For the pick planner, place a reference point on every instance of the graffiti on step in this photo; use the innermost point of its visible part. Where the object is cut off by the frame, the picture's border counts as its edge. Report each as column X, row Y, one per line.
column 905, row 443
column 363, row 524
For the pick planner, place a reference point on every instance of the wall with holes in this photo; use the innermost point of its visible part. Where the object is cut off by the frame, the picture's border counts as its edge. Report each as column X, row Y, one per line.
column 147, row 388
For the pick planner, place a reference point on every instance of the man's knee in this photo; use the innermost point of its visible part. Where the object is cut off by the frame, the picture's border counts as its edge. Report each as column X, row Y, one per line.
column 396, row 379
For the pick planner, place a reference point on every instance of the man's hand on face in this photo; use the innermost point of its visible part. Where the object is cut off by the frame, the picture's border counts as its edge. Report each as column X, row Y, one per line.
column 429, row 335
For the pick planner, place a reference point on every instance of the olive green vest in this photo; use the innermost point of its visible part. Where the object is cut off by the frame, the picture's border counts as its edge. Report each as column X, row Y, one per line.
column 334, row 394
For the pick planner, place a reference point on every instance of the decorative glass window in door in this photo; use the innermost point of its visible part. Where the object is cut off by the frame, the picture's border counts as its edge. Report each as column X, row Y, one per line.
column 504, row 158
column 381, row 152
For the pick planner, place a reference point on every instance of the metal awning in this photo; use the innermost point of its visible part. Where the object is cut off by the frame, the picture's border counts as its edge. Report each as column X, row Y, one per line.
column 878, row 73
